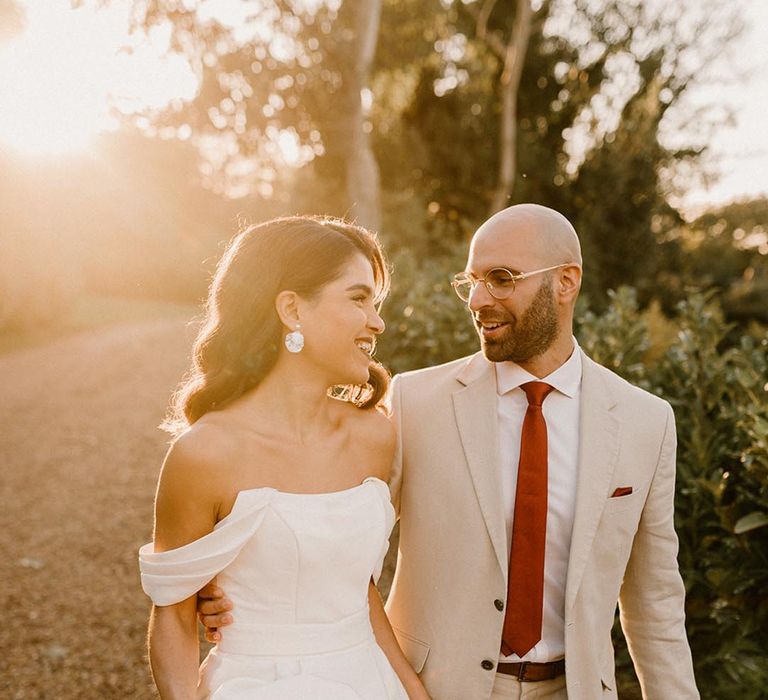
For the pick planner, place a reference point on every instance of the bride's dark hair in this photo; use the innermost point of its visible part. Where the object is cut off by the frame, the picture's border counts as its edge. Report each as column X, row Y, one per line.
column 238, row 343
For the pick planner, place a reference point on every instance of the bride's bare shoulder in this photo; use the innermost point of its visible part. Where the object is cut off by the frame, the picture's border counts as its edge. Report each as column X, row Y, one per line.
column 206, row 443
column 198, row 460
column 192, row 485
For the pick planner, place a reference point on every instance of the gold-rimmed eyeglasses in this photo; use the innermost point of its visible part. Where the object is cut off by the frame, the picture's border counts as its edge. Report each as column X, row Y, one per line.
column 499, row 281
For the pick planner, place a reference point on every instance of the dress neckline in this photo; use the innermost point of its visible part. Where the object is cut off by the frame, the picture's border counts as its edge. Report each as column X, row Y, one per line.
column 317, row 493
column 270, row 491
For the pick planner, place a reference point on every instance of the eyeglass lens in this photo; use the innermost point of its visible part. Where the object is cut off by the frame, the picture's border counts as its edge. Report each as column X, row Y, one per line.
column 500, row 284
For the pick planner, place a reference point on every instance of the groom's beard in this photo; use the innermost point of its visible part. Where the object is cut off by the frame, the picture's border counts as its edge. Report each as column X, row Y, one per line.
column 527, row 337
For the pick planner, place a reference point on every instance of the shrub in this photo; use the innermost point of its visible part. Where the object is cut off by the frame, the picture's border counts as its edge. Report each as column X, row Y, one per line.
column 427, row 323
column 718, row 391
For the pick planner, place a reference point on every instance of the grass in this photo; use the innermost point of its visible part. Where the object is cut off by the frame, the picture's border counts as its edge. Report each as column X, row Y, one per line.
column 91, row 312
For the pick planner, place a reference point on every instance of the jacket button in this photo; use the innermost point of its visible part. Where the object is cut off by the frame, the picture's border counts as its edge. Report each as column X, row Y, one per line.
column 499, row 604
column 487, row 664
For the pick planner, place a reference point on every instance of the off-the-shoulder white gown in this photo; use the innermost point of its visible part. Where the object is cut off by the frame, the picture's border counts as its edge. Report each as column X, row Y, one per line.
column 296, row 567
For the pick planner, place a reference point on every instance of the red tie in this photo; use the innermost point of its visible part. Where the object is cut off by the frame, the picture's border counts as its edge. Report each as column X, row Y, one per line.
column 525, row 591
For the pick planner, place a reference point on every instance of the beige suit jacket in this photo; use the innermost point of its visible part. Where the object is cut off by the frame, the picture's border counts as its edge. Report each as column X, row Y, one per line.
column 452, row 558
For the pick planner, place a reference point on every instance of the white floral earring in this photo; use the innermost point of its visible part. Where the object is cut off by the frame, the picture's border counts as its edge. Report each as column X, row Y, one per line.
column 294, row 341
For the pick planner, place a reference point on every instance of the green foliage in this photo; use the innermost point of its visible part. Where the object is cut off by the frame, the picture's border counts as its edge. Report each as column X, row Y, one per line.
column 427, row 323
column 618, row 338
column 436, row 123
column 718, row 391
column 719, row 394
column 727, row 249
column 447, row 137
column 598, row 81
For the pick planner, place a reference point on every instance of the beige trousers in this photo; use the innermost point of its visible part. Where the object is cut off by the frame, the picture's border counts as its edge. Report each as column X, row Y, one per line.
column 509, row 688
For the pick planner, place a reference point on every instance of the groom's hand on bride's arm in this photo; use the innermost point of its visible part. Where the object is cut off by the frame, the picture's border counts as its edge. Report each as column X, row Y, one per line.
column 213, row 610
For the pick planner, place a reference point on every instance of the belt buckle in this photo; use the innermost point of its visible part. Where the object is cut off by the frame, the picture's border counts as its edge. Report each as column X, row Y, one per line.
column 521, row 671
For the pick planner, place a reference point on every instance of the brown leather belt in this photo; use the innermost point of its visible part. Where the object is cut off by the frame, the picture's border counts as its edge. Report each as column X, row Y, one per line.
column 529, row 671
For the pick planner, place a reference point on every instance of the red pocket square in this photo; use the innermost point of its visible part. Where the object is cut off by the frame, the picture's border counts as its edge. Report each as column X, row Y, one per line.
column 621, row 491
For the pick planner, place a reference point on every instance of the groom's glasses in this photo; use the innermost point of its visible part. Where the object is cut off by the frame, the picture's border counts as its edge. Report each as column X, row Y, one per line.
column 499, row 281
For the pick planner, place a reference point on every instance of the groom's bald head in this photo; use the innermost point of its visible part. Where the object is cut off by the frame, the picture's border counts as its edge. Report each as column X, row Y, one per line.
column 538, row 232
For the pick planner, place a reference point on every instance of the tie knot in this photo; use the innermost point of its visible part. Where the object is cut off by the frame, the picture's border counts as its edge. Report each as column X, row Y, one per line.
column 536, row 392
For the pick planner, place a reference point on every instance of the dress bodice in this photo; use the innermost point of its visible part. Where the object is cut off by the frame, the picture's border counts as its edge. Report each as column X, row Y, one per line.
column 296, row 568
column 283, row 558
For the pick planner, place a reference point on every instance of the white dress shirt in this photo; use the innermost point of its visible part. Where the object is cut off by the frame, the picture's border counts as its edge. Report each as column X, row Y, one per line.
column 561, row 413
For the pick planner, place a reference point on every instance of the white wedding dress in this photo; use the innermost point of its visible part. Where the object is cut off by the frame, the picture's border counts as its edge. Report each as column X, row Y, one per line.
column 296, row 567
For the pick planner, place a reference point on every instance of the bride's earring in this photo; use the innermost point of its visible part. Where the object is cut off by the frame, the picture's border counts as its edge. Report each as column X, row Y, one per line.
column 294, row 341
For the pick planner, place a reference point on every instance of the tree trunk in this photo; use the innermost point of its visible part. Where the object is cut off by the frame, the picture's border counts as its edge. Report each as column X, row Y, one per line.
column 509, row 83
column 362, row 170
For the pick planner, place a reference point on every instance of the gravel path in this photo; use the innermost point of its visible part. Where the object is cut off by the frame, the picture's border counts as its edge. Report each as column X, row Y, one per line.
column 79, row 456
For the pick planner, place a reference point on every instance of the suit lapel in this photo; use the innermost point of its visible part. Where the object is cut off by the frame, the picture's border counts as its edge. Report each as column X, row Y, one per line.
column 476, row 416
column 598, row 450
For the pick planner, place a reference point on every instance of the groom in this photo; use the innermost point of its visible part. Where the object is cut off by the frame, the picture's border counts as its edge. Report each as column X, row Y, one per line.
column 535, row 490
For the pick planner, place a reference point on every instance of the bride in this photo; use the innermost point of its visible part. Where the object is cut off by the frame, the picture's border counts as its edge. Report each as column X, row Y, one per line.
column 276, row 480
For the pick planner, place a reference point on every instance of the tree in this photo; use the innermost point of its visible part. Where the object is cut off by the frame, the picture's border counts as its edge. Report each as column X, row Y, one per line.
column 600, row 85
column 619, row 195
column 362, row 171
column 511, row 52
column 452, row 123
column 287, row 73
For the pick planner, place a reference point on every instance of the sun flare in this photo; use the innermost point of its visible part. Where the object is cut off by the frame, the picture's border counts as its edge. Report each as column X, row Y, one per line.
column 63, row 76
column 53, row 100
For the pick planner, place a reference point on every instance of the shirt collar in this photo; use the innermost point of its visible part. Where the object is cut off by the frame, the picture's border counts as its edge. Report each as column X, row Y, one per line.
column 566, row 378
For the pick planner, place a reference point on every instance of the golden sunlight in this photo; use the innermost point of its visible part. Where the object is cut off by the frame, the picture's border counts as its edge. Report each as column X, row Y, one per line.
column 64, row 76
column 51, row 102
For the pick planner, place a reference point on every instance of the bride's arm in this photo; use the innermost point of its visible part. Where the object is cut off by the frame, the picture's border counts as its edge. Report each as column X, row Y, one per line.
column 386, row 639
column 185, row 510
column 173, row 649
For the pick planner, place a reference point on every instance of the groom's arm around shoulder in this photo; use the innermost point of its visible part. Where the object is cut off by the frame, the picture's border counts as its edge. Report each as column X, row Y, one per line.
column 652, row 598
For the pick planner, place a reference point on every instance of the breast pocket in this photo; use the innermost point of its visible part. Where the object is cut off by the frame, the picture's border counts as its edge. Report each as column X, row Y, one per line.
column 616, row 531
column 621, row 504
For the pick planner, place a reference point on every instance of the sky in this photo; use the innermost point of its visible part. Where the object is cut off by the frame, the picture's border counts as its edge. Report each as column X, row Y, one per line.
column 742, row 148
column 58, row 80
